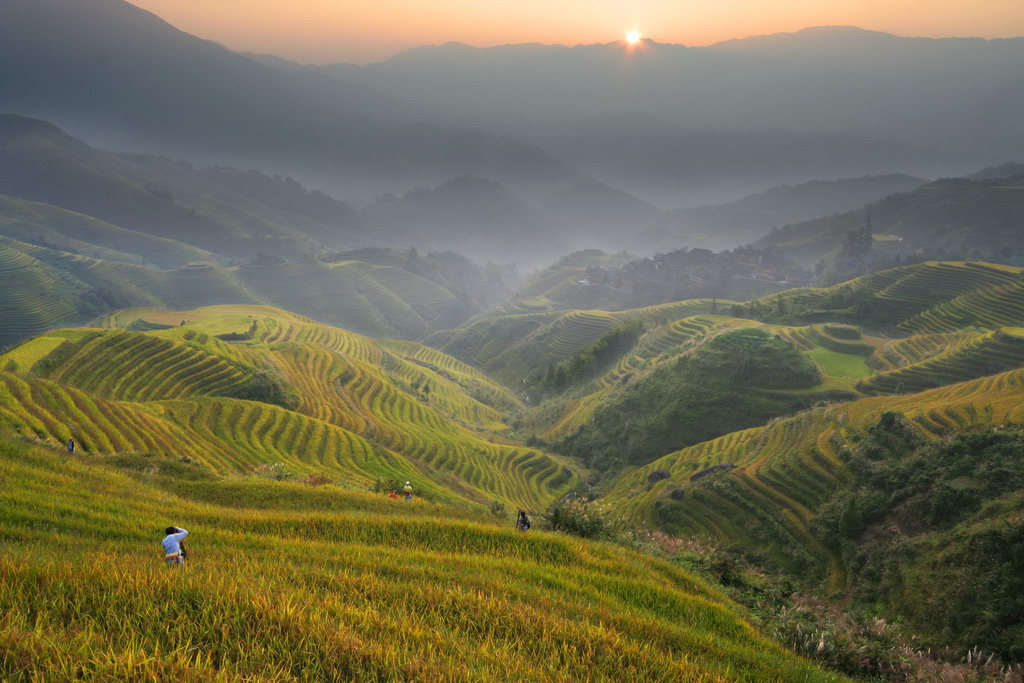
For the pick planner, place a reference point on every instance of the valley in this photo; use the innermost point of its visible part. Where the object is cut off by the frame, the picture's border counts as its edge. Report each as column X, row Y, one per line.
column 521, row 354
column 748, row 434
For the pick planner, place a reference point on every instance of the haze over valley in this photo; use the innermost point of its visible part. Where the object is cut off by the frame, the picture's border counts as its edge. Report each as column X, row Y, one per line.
column 491, row 359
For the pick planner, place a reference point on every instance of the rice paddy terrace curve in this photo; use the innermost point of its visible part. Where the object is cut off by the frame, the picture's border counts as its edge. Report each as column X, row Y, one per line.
column 353, row 591
column 780, row 473
column 931, row 297
column 510, row 347
column 411, row 403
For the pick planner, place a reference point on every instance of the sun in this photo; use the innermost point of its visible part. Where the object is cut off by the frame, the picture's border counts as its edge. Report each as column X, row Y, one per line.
column 633, row 37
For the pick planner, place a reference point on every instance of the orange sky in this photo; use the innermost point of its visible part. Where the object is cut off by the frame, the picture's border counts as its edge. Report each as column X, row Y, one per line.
column 360, row 31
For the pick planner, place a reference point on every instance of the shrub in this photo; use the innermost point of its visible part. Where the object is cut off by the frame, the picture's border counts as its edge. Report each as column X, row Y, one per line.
column 275, row 471
column 585, row 519
column 842, row 331
column 381, row 485
column 265, row 388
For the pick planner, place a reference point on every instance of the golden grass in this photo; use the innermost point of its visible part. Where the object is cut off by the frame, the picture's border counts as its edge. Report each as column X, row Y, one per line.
column 348, row 595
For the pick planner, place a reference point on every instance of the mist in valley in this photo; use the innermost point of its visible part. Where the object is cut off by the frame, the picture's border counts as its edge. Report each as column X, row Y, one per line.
column 522, row 153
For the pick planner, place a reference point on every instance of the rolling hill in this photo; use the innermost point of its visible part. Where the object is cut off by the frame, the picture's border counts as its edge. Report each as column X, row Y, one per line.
column 204, row 406
column 283, row 389
column 290, row 582
column 976, row 218
column 48, row 287
column 751, row 218
column 513, row 347
column 923, row 298
column 782, row 494
column 167, row 200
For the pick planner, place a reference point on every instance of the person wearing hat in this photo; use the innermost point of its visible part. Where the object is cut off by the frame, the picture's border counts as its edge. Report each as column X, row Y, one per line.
column 408, row 491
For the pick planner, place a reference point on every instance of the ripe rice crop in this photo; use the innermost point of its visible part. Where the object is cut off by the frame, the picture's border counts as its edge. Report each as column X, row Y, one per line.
column 347, row 595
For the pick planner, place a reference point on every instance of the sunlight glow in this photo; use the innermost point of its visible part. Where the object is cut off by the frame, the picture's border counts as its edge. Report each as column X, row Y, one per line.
column 633, row 37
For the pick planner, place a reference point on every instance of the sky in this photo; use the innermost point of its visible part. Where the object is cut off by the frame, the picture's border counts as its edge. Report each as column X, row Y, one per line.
column 361, row 31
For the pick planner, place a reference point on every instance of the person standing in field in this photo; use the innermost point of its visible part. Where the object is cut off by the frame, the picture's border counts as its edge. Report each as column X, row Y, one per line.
column 522, row 522
column 174, row 551
column 408, row 491
column 71, row 446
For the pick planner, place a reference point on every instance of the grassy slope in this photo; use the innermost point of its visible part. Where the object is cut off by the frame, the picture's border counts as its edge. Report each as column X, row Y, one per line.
column 76, row 232
column 734, row 379
column 511, row 347
column 786, row 470
column 33, row 296
column 361, row 592
column 924, row 298
column 45, row 287
column 355, row 409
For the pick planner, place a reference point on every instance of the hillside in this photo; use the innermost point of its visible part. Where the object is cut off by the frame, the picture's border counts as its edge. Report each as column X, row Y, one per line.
column 514, row 347
column 122, row 78
column 715, row 388
column 594, row 215
column 69, row 231
column 237, row 388
column 782, row 493
column 751, row 218
column 959, row 217
column 793, row 447
column 167, row 200
column 335, row 584
column 466, row 214
column 48, row 287
column 923, row 298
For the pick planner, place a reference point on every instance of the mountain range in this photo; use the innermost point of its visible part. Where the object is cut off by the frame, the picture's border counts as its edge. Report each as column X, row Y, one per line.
column 739, row 117
column 120, row 77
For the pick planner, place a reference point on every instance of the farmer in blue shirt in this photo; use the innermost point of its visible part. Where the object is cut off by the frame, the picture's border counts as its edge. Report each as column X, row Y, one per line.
column 174, row 552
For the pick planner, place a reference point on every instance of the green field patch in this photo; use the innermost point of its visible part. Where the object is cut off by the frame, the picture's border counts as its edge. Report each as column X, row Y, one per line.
column 29, row 353
column 842, row 365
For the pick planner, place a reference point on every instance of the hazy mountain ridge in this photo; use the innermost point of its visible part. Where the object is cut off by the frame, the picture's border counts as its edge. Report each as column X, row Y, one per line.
column 975, row 218
column 738, row 116
column 125, row 79
column 749, row 219
column 39, row 162
column 813, row 80
column 467, row 214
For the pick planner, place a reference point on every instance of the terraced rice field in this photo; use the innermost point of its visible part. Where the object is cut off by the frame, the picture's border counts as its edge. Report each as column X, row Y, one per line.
column 987, row 307
column 916, row 348
column 652, row 344
column 132, row 366
column 924, row 298
column 28, row 220
column 789, row 467
column 33, row 298
column 946, row 359
column 295, row 583
column 423, row 415
column 513, row 347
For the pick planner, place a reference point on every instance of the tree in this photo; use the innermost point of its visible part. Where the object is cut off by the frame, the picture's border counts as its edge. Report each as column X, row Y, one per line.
column 851, row 521
column 858, row 243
